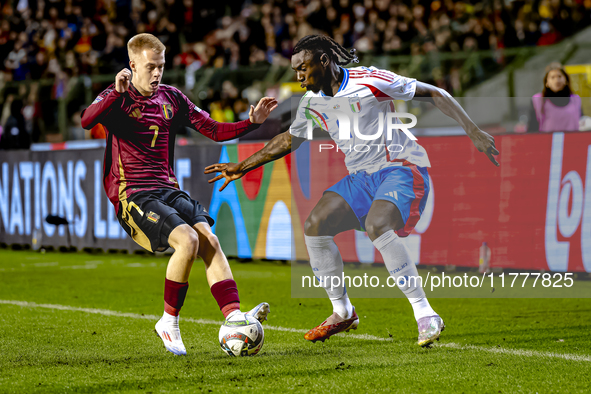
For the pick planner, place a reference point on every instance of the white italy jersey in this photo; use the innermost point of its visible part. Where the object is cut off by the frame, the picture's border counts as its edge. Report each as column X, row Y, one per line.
column 365, row 96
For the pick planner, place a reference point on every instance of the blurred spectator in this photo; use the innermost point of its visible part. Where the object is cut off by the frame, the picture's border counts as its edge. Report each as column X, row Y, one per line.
column 77, row 132
column 250, row 32
column 484, row 253
column 66, row 39
column 14, row 134
column 98, row 132
column 556, row 108
column 241, row 109
column 17, row 61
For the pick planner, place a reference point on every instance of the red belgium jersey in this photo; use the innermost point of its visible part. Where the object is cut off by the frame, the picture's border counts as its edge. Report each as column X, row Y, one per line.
column 140, row 136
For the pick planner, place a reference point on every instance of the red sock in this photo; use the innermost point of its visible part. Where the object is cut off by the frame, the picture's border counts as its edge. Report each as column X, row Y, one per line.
column 225, row 293
column 231, row 307
column 174, row 296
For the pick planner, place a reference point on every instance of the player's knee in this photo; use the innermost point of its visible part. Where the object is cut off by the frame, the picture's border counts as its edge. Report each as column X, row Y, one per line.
column 321, row 223
column 378, row 225
column 309, row 226
column 316, row 224
column 213, row 241
column 185, row 241
column 191, row 244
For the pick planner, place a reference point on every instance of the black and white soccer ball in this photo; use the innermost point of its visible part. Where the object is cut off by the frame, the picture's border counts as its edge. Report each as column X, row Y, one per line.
column 241, row 335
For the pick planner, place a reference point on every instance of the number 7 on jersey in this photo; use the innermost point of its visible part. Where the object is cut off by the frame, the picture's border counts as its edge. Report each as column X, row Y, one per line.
column 155, row 128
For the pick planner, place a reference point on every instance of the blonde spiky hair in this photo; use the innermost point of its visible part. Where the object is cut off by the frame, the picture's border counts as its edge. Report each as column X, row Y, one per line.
column 143, row 41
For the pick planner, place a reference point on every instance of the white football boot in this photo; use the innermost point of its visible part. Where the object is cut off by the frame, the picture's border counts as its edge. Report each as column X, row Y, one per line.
column 260, row 311
column 430, row 328
column 168, row 330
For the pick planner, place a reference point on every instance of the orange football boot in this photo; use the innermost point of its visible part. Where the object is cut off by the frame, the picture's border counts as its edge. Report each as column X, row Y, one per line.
column 331, row 326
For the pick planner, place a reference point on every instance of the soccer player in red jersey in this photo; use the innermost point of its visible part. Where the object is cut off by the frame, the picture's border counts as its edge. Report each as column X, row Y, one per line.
column 140, row 116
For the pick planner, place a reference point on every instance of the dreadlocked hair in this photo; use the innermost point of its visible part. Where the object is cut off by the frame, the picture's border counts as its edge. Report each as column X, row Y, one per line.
column 318, row 44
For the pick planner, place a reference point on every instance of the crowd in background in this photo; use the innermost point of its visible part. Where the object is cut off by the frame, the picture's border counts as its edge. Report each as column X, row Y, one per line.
column 59, row 39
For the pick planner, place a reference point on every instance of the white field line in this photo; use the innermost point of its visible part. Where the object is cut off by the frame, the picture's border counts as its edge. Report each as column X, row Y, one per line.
column 497, row 350
column 516, row 352
column 106, row 312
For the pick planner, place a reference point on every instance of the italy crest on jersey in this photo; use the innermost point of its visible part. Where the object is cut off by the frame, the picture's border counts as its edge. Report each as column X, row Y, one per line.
column 167, row 111
column 355, row 104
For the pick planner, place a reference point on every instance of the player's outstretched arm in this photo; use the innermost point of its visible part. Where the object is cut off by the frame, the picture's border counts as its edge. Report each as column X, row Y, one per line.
column 219, row 131
column 103, row 104
column 483, row 141
column 277, row 148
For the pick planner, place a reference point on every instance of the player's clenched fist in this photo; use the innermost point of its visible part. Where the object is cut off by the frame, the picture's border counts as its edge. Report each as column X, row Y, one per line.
column 122, row 80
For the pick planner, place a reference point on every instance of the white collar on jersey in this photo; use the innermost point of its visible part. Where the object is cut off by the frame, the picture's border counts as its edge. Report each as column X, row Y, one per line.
column 345, row 80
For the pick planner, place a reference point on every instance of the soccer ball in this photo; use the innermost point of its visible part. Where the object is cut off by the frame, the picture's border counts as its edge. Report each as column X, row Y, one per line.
column 241, row 335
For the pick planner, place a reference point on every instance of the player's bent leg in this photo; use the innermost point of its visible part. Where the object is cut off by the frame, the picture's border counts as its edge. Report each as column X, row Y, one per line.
column 219, row 275
column 329, row 217
column 217, row 268
column 185, row 242
column 382, row 222
column 382, row 217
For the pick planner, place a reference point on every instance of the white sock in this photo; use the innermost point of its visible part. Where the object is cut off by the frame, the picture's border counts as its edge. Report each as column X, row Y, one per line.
column 342, row 306
column 400, row 265
column 326, row 262
column 170, row 319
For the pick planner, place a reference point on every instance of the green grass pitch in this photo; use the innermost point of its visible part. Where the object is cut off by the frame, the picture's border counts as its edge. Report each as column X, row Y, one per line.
column 84, row 323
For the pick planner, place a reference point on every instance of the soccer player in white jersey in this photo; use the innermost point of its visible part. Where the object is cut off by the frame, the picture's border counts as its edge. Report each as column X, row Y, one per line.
column 386, row 189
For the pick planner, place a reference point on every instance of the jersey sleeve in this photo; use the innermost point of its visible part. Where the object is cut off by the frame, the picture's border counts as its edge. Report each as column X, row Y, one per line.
column 299, row 125
column 195, row 117
column 200, row 120
column 100, row 107
column 395, row 86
